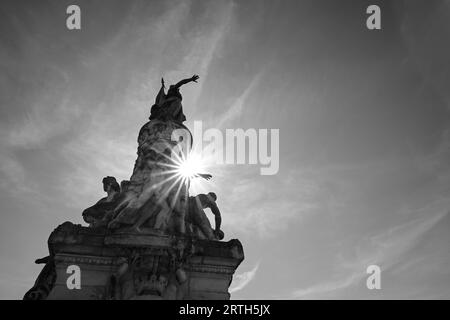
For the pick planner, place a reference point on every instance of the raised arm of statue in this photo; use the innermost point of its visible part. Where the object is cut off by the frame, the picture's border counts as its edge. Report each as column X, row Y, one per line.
column 194, row 78
column 205, row 176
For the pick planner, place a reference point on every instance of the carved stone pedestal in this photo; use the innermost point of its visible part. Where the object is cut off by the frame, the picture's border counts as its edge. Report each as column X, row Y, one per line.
column 121, row 265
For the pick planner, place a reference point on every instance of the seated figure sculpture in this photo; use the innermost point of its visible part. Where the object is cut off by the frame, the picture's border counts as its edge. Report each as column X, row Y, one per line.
column 100, row 213
column 197, row 222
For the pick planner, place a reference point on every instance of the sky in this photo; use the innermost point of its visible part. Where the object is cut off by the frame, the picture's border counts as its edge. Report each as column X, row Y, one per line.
column 363, row 117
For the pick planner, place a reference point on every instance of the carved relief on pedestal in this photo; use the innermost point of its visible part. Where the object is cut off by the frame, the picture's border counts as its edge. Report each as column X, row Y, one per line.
column 158, row 274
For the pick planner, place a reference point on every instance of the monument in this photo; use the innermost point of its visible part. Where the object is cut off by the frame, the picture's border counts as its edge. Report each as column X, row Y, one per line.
column 147, row 239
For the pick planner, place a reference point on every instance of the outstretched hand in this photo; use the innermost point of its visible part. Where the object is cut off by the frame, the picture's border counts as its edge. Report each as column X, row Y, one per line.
column 205, row 176
column 195, row 78
column 162, row 83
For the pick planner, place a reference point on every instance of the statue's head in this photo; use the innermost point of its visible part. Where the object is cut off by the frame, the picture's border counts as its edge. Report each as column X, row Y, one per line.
column 212, row 196
column 110, row 182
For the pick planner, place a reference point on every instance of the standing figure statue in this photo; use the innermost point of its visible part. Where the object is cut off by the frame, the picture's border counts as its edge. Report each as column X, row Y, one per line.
column 153, row 198
column 168, row 107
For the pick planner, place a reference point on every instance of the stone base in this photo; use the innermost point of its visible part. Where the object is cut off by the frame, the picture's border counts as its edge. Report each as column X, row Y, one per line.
column 149, row 265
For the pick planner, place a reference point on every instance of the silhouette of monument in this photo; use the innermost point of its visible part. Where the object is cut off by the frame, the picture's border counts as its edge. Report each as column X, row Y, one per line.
column 147, row 239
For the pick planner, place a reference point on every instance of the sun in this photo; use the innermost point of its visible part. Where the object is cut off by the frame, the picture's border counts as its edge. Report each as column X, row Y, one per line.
column 191, row 166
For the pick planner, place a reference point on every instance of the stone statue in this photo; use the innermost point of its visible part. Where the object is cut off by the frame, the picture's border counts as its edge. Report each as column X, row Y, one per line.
column 147, row 239
column 168, row 107
column 100, row 213
column 196, row 220
column 154, row 198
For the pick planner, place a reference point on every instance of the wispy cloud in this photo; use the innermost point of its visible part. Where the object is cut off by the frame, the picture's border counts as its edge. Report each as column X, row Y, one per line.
column 42, row 123
column 207, row 44
column 323, row 289
column 240, row 281
column 385, row 249
column 251, row 205
column 235, row 109
column 190, row 50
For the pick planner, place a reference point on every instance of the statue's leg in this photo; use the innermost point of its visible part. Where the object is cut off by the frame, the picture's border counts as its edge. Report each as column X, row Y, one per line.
column 126, row 211
column 179, row 211
column 163, row 216
column 202, row 222
column 161, row 204
column 143, row 218
column 120, row 207
column 199, row 234
column 122, row 211
column 189, row 228
column 148, row 191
